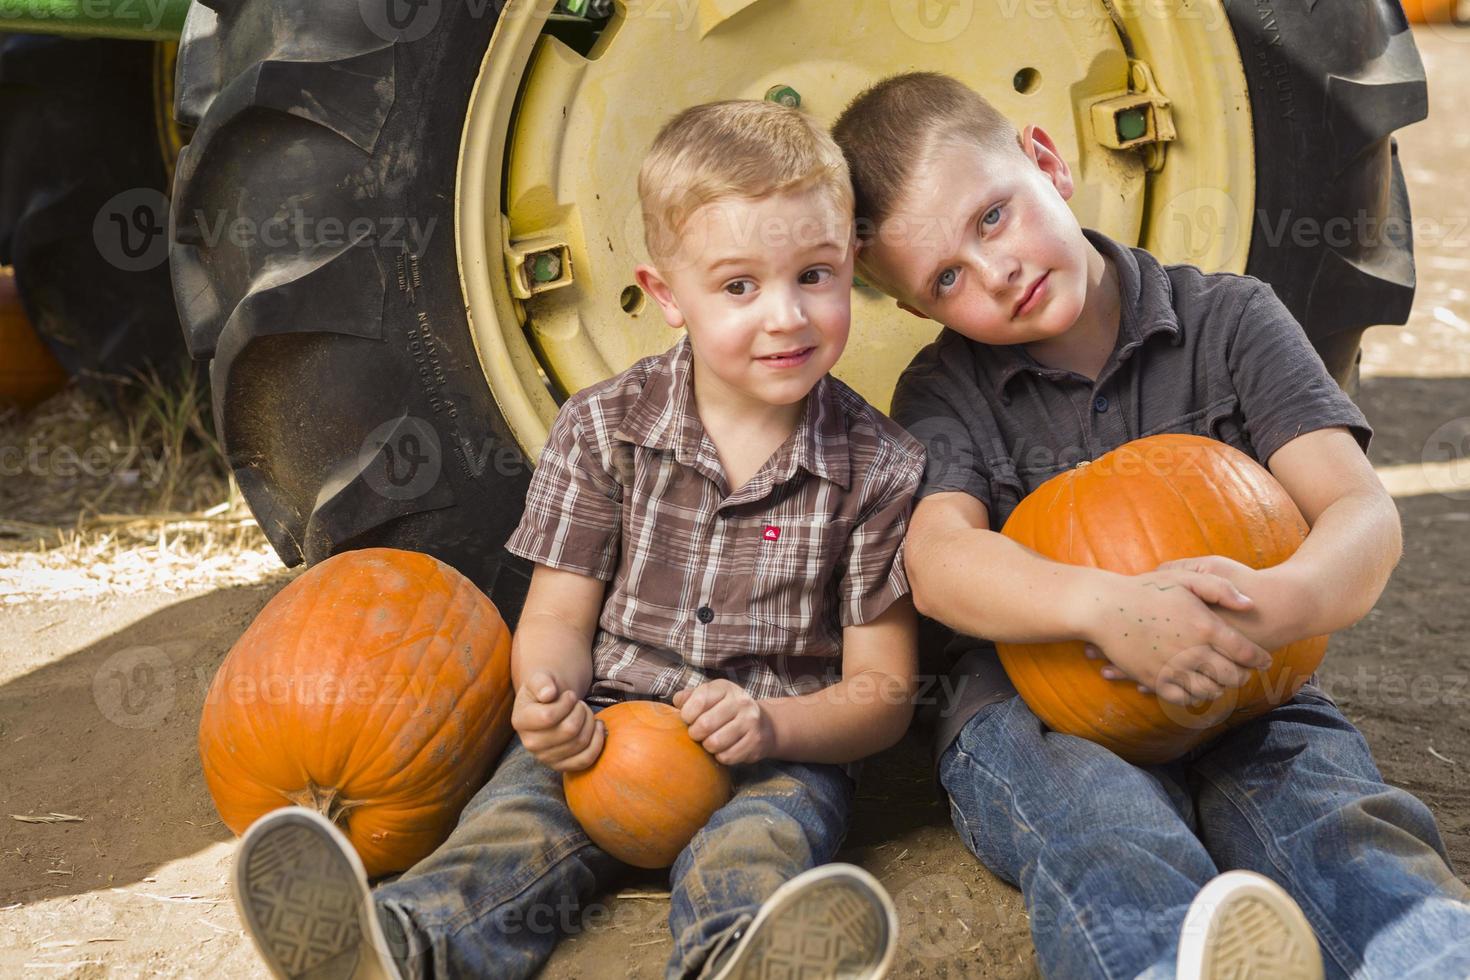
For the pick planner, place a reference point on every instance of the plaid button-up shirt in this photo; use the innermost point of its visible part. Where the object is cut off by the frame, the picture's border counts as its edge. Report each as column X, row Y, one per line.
column 753, row 586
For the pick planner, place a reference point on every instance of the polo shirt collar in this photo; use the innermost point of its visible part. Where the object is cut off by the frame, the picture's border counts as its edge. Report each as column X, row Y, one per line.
column 664, row 417
column 1145, row 302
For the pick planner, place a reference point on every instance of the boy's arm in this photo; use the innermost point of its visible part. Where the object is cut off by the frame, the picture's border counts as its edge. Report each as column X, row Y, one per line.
column 865, row 712
column 571, row 529
column 1338, row 573
column 1161, row 629
column 1313, row 439
column 557, row 628
column 551, row 667
column 951, row 556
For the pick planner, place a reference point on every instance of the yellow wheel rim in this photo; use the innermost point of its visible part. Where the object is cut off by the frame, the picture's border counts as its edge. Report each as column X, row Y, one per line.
column 171, row 136
column 553, row 141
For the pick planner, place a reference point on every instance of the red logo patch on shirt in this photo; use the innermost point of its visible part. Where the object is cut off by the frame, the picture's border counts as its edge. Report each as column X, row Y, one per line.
column 772, row 533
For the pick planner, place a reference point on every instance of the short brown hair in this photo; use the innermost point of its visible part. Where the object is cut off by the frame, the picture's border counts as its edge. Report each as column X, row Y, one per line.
column 890, row 129
column 738, row 149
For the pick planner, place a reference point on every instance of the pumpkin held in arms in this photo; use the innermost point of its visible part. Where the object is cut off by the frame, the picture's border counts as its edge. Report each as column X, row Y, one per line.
column 1154, row 500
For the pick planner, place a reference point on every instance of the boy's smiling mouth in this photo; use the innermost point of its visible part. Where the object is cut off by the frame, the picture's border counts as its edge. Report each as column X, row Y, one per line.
column 1031, row 297
column 788, row 358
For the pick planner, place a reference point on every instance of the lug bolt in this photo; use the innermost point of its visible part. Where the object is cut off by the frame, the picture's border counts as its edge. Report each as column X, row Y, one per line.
column 544, row 267
column 784, row 95
column 1132, row 124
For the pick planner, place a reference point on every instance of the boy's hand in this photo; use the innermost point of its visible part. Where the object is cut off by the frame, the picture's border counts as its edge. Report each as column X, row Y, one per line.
column 1246, row 580
column 556, row 727
column 1274, row 618
column 1158, row 629
column 730, row 724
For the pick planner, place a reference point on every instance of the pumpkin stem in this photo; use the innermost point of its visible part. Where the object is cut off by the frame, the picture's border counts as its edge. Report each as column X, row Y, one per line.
column 324, row 800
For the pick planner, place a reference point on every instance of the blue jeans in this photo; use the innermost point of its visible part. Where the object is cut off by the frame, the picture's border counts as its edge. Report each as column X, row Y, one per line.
column 518, row 872
column 1109, row 855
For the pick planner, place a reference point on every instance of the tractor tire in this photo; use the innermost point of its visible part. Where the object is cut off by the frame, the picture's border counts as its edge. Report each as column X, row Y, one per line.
column 1332, row 228
column 337, row 369
column 83, row 202
column 347, row 390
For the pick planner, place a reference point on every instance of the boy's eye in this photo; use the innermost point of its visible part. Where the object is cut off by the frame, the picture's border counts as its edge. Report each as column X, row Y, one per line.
column 740, row 287
column 815, row 277
column 946, row 279
column 991, row 217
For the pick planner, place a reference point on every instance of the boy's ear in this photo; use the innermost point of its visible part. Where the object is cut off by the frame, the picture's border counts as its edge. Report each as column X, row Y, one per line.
column 906, row 307
column 1040, row 149
column 653, row 284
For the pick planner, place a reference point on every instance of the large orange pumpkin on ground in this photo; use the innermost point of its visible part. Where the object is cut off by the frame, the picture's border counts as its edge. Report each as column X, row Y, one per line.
column 652, row 788
column 1154, row 500
column 29, row 373
column 374, row 689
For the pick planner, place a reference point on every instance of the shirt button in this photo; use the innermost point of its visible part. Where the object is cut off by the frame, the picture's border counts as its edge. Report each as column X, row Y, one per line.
column 706, row 615
column 1100, row 403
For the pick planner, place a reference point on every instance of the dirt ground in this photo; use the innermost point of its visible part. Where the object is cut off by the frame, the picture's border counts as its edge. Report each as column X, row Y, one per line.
column 100, row 696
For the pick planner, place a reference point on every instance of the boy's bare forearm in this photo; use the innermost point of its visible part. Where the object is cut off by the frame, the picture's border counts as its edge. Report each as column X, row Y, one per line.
column 1338, row 573
column 545, row 642
column 865, row 712
column 981, row 583
column 850, row 720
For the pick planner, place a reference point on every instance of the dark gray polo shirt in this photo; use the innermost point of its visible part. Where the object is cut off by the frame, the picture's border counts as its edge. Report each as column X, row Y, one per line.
column 1215, row 355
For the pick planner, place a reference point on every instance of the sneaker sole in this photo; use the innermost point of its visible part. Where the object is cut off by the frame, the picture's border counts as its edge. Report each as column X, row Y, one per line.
column 840, row 925
column 298, row 886
column 1258, row 933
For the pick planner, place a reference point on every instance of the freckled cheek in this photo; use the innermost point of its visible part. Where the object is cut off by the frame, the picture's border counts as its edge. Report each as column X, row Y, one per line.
column 981, row 309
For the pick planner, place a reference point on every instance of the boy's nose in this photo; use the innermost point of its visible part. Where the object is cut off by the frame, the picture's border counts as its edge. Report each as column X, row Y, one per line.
column 786, row 313
column 998, row 272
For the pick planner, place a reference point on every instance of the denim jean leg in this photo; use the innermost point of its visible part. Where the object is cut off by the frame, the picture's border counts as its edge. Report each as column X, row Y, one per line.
column 493, row 899
column 783, row 819
column 1296, row 796
column 1104, row 851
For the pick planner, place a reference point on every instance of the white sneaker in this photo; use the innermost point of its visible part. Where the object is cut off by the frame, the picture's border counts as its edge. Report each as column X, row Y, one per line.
column 835, row 921
column 1244, row 926
column 303, row 896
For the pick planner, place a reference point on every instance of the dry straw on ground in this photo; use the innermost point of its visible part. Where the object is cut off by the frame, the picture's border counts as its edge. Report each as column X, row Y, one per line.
column 122, row 489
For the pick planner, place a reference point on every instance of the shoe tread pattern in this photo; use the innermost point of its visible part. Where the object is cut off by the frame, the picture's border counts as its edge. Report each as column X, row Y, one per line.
column 832, row 931
column 1254, row 943
column 305, row 902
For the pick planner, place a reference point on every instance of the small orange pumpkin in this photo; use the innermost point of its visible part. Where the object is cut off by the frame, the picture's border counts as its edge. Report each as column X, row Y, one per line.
column 1154, row 500
column 29, row 373
column 374, row 689
column 652, row 788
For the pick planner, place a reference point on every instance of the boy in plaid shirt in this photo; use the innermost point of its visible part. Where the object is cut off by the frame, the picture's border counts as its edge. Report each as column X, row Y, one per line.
column 718, row 527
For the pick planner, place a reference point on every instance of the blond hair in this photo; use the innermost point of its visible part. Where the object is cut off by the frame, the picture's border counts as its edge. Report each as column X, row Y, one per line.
column 738, row 149
column 890, row 130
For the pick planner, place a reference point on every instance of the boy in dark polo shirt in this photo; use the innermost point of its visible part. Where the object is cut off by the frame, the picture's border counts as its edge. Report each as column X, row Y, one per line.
column 1060, row 345
column 718, row 527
